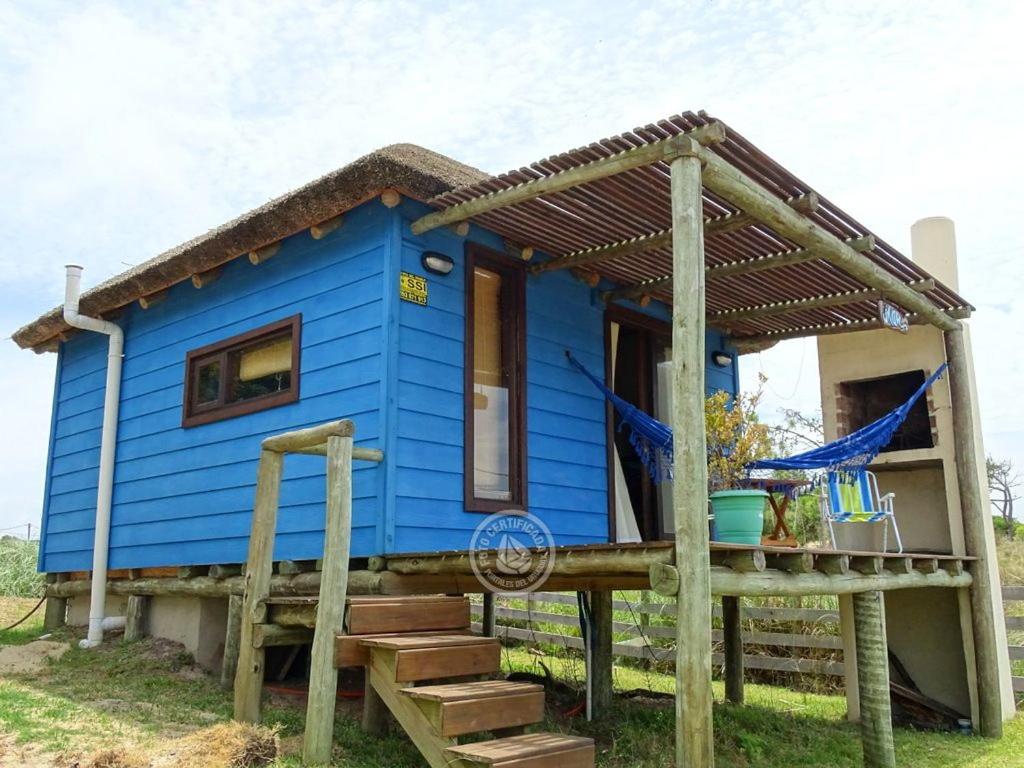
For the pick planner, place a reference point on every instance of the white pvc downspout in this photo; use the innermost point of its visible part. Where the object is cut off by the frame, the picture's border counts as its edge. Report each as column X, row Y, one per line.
column 108, row 442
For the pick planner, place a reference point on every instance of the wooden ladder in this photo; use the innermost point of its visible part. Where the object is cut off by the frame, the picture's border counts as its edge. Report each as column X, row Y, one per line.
column 408, row 644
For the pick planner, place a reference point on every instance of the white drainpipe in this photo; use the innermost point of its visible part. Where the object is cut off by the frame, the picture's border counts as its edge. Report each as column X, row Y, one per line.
column 108, row 442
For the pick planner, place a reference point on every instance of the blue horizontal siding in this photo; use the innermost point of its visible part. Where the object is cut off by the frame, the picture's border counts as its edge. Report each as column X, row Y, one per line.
column 184, row 496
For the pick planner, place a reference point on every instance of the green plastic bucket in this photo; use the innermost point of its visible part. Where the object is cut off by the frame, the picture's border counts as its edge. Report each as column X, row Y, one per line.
column 739, row 516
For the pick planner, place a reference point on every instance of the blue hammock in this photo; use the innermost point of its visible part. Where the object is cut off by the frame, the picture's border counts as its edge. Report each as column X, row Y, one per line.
column 856, row 450
column 651, row 439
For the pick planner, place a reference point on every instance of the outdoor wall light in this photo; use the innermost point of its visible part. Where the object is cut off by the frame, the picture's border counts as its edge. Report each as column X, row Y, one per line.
column 721, row 359
column 437, row 263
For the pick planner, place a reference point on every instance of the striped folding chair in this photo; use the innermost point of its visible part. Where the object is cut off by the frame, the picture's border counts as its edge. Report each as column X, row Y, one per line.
column 854, row 498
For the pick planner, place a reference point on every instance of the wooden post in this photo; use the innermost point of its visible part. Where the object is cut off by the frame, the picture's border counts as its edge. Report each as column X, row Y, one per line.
column 330, row 614
column 873, row 679
column 232, row 637
column 601, row 654
column 56, row 613
column 489, row 622
column 375, row 711
column 974, row 508
column 136, row 618
column 694, row 739
column 732, row 629
column 849, row 636
column 258, row 570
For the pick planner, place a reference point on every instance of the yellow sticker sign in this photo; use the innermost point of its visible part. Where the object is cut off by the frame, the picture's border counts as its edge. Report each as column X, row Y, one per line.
column 412, row 288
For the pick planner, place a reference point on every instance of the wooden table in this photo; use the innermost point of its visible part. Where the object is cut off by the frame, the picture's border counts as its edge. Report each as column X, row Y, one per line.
column 780, row 491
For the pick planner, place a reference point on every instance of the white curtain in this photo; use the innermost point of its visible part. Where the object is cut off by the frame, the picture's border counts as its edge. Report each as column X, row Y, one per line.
column 626, row 529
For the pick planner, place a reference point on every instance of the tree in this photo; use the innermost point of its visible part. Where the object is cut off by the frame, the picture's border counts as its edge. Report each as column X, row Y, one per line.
column 1003, row 481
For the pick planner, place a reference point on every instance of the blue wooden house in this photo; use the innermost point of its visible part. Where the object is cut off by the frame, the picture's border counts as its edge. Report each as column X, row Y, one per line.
column 445, row 349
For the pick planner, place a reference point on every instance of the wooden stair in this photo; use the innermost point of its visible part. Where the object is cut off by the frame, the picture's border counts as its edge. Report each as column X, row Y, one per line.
column 428, row 672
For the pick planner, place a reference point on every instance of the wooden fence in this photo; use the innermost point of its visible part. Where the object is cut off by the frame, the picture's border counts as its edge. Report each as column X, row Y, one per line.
column 1015, row 624
column 649, row 626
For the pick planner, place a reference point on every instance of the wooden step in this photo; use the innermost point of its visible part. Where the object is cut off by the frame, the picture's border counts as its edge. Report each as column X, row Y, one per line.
column 534, row 750
column 349, row 650
column 382, row 615
column 487, row 705
column 431, row 658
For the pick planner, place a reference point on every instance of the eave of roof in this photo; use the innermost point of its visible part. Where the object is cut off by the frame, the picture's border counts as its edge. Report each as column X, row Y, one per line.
column 412, row 170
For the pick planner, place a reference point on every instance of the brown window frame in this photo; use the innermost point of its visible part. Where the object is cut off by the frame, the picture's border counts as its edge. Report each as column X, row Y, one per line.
column 193, row 415
column 513, row 342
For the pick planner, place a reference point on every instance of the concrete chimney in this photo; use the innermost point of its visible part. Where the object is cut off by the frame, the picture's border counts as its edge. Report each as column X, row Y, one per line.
column 933, row 246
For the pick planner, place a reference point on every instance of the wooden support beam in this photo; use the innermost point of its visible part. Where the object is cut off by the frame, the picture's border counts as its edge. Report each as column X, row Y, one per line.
column 898, row 565
column 627, row 160
column 833, row 565
column 693, row 724
column 136, row 625
column 520, row 253
column 148, row 302
column 601, row 654
column 264, row 254
column 662, row 239
column 56, row 613
column 664, row 579
column 726, row 180
column 743, row 343
column 302, row 439
column 390, row 197
column 324, row 228
column 460, row 228
column 732, row 632
column 259, row 567
column 203, row 279
column 791, row 562
column 741, row 561
column 224, row 571
column 192, row 571
column 977, row 535
column 323, row 675
column 867, row 564
column 873, row 681
column 272, row 635
column 375, row 711
column 590, row 279
column 823, row 301
column 732, row 269
column 489, row 621
column 292, row 567
column 772, row 583
column 232, row 638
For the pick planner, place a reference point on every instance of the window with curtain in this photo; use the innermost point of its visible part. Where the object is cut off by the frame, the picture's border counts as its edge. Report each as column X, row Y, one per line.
column 495, row 464
column 244, row 374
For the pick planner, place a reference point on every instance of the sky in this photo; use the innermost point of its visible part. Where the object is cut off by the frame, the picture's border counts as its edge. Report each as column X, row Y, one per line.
column 127, row 128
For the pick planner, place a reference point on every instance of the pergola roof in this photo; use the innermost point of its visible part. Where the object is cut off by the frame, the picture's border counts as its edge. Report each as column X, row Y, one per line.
column 760, row 285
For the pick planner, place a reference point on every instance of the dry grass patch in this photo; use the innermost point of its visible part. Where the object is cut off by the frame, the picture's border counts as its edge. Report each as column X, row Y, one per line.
column 225, row 745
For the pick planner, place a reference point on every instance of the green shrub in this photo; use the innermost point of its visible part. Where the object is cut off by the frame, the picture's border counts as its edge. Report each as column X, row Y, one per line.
column 18, row 575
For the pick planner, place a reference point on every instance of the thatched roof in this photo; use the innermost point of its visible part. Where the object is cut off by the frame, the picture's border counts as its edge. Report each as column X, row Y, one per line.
column 414, row 171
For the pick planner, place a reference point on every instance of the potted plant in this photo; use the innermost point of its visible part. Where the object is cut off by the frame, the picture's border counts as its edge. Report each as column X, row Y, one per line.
column 735, row 438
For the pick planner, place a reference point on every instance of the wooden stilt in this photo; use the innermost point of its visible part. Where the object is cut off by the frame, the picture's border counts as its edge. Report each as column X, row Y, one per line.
column 136, row 618
column 601, row 654
column 846, row 629
column 694, row 740
column 232, row 636
column 974, row 507
column 56, row 613
column 732, row 630
column 330, row 618
column 375, row 711
column 258, row 570
column 489, row 621
column 873, row 679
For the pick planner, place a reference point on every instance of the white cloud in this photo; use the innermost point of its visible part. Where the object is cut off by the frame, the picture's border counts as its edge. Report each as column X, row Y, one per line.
column 130, row 127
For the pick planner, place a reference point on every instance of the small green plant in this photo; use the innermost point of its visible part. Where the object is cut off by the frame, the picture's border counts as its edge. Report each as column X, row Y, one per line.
column 18, row 574
column 735, row 437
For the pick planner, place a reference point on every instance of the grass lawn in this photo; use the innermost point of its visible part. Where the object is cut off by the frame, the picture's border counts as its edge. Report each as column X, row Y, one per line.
column 146, row 693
